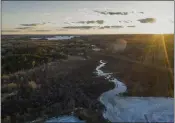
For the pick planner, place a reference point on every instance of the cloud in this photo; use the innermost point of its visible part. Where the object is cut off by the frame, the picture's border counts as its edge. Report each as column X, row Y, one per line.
column 118, row 13
column 127, row 21
column 92, row 27
column 82, row 22
column 131, row 26
column 42, row 30
column 117, row 26
column 111, row 13
column 69, row 23
column 105, row 27
column 101, row 12
column 10, row 31
column 90, row 22
column 33, row 24
column 115, row 13
column 49, row 23
column 79, row 27
column 23, row 28
column 111, row 27
column 134, row 12
column 147, row 20
column 100, row 21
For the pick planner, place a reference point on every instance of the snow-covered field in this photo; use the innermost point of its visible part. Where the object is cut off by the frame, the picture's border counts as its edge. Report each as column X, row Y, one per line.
column 133, row 109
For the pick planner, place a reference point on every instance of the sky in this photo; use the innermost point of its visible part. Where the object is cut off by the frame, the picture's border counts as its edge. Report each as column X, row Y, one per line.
column 87, row 17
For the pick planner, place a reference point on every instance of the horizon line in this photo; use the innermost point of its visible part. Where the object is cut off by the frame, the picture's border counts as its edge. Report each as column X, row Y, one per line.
column 100, row 34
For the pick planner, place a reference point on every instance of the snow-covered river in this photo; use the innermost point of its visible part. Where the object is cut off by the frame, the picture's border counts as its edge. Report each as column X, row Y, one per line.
column 64, row 119
column 133, row 109
column 128, row 109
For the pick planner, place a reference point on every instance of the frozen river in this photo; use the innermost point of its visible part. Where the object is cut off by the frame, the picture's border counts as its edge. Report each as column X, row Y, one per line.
column 133, row 109
column 128, row 109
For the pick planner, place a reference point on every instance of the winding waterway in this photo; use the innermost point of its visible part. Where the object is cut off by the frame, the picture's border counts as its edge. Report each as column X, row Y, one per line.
column 128, row 109
column 133, row 109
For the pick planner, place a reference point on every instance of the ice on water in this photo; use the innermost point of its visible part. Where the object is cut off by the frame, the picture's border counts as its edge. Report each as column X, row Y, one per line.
column 133, row 109
column 65, row 118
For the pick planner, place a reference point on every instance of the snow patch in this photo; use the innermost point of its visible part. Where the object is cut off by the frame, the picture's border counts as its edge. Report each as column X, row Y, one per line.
column 57, row 38
column 60, row 37
column 35, row 38
column 96, row 49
